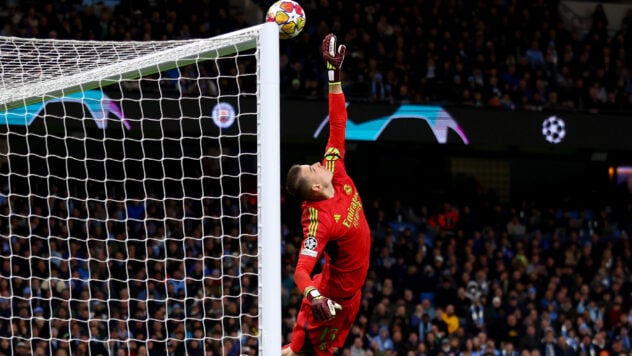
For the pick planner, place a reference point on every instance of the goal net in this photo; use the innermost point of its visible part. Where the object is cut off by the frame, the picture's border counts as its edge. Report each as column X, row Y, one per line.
column 140, row 196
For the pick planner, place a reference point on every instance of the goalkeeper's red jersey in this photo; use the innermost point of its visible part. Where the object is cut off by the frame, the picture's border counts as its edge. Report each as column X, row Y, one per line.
column 337, row 226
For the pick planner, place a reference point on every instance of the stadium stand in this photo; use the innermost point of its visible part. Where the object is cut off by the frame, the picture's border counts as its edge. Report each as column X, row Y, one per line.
column 455, row 278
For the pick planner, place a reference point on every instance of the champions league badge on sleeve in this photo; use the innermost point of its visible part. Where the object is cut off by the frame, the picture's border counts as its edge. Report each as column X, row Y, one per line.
column 309, row 247
column 223, row 115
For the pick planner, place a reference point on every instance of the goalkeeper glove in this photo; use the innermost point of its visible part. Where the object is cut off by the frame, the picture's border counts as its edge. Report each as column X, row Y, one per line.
column 333, row 56
column 323, row 308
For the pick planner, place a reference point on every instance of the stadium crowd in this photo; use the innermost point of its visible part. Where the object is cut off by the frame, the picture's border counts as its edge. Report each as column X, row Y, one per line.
column 484, row 278
column 503, row 54
column 492, row 279
column 467, row 278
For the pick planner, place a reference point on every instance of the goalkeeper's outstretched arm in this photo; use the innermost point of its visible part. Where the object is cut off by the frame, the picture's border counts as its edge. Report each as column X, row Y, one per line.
column 322, row 313
column 334, row 55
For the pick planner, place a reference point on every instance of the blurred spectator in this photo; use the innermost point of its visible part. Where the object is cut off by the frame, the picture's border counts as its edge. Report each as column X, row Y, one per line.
column 450, row 318
column 383, row 342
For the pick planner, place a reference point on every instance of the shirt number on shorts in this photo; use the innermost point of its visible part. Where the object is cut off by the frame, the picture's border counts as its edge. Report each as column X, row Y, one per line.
column 328, row 335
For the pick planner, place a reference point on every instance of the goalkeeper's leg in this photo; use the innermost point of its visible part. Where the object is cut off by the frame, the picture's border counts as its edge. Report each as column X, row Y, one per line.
column 322, row 338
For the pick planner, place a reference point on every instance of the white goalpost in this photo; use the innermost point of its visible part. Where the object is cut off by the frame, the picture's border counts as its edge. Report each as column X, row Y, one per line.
column 140, row 196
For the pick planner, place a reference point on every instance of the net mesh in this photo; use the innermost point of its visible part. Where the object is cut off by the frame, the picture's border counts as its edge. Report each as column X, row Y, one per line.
column 128, row 205
column 31, row 68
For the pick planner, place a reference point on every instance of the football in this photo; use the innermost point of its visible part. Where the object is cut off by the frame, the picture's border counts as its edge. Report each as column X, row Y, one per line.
column 289, row 16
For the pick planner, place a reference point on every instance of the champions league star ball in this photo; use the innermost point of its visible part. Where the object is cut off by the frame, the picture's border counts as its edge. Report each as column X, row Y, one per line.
column 289, row 16
column 553, row 129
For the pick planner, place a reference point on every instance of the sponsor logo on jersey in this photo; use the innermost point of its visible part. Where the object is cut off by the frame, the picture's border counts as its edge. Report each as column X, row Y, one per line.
column 347, row 188
column 353, row 212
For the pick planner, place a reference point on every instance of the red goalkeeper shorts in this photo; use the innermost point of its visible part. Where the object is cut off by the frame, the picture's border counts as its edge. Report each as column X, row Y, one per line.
column 321, row 338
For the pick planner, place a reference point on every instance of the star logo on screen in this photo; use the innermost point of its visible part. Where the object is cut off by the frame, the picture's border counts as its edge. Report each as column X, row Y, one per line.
column 554, row 129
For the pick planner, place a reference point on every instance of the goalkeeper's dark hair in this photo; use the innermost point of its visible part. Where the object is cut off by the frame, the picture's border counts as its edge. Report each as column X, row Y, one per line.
column 295, row 183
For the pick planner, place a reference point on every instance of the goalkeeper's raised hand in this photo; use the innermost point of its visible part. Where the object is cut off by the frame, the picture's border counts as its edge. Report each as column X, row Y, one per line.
column 333, row 56
column 323, row 308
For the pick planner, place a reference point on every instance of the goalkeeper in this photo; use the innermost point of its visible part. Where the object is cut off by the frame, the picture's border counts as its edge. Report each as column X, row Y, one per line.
column 334, row 227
